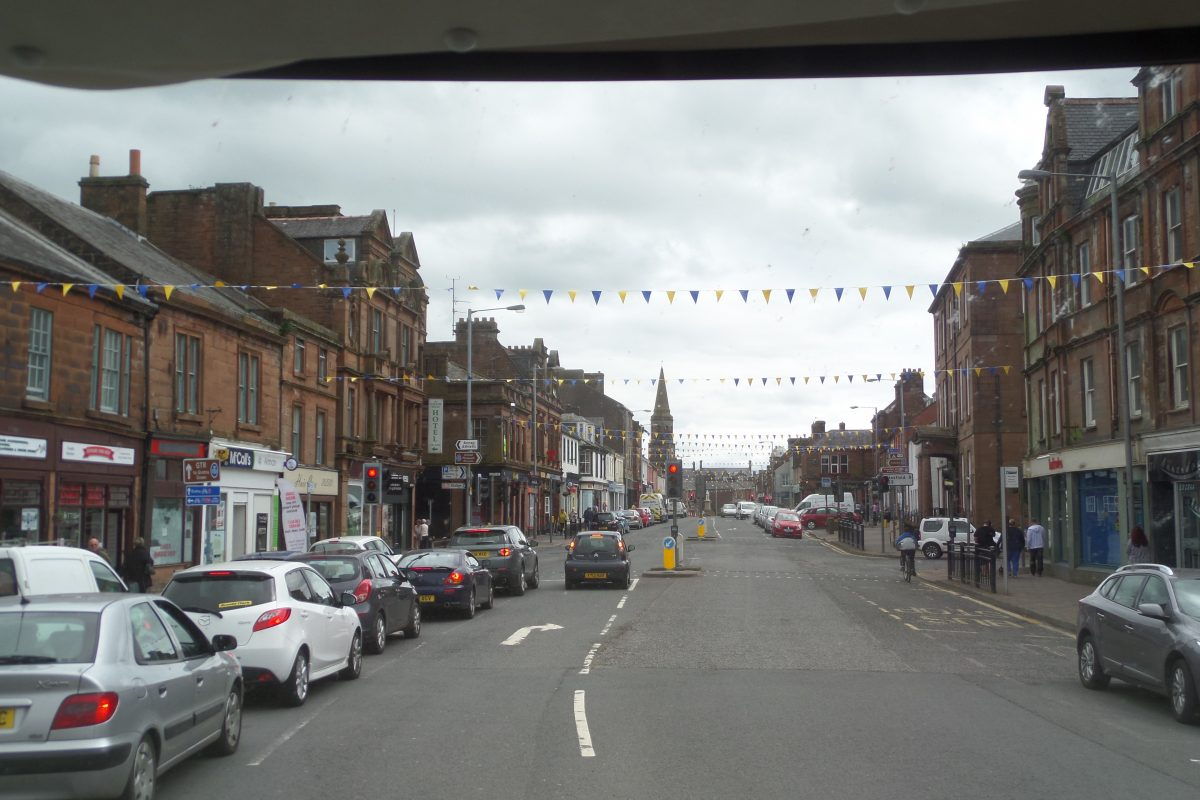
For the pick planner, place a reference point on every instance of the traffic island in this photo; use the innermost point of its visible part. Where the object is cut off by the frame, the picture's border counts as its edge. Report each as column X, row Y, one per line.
column 680, row 572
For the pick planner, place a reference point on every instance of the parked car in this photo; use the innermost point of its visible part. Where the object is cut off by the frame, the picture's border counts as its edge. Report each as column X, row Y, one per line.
column 504, row 551
column 819, row 517
column 342, row 543
column 764, row 516
column 787, row 523
column 647, row 517
column 745, row 508
column 102, row 693
column 291, row 627
column 609, row 521
column 729, row 510
column 450, row 578
column 268, row 555
column 598, row 558
column 49, row 569
column 1142, row 625
column 934, row 534
column 633, row 520
column 385, row 601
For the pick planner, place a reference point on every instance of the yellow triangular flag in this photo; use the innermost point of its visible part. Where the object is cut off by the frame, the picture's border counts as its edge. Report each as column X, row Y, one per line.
column 778, row 381
column 622, row 294
column 1190, row 264
column 269, row 288
column 767, row 295
column 835, row 378
column 1053, row 280
column 958, row 287
column 16, row 285
column 120, row 290
column 670, row 295
column 862, row 292
column 522, row 292
column 813, row 293
column 370, row 292
column 571, row 294
column 909, row 289
column 1098, row 276
column 219, row 284
column 718, row 293
column 168, row 291
column 353, row 380
column 806, row 379
column 66, row 287
column 722, row 380
column 1003, row 285
column 978, row 370
column 322, row 286
column 1146, row 270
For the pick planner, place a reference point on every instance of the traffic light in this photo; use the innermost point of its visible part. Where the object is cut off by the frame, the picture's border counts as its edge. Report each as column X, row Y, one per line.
column 675, row 478
column 883, row 483
column 372, row 477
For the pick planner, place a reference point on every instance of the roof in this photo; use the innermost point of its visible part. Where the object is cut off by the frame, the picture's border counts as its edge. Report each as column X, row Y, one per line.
column 1011, row 233
column 325, row 227
column 23, row 245
column 129, row 250
column 1094, row 123
column 90, row 601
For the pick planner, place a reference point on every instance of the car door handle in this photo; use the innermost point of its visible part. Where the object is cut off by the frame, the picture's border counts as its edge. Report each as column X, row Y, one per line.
column 162, row 691
column 199, row 680
column 1128, row 628
column 1101, row 615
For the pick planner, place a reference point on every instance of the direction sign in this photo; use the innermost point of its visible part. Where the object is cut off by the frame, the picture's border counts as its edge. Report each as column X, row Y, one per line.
column 1012, row 477
column 900, row 479
column 454, row 484
column 668, row 543
column 203, row 495
column 893, row 470
column 466, row 444
column 826, row 483
column 466, row 458
column 201, row 470
column 454, row 473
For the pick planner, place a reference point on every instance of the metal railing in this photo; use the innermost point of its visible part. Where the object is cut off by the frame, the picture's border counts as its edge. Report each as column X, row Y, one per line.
column 967, row 563
column 850, row 533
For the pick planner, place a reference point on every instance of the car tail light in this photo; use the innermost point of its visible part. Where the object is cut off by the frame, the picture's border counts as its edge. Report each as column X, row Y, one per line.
column 505, row 552
column 221, row 572
column 362, row 591
column 269, row 619
column 81, row 710
column 454, row 578
column 621, row 545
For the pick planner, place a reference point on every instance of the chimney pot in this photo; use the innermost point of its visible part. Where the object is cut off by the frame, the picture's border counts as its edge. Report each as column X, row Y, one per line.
column 135, row 162
column 94, row 167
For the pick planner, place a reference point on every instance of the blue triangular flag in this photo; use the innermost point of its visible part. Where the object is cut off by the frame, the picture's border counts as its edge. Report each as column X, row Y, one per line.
column 1120, row 273
column 547, row 293
column 41, row 287
column 627, row 380
column 346, row 292
column 396, row 291
column 1075, row 278
column 822, row 379
column 294, row 286
column 1028, row 283
column 498, row 293
column 790, row 292
column 736, row 381
column 695, row 295
column 878, row 376
column 92, row 290
column 646, row 294
column 933, row 289
column 793, row 380
column 143, row 289
column 982, row 286
column 887, row 293
column 596, row 295
column 745, row 293
column 764, row 381
column 653, row 381
column 681, row 381
column 838, row 291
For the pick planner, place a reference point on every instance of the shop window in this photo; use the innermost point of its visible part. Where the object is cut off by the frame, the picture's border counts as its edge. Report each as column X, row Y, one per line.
column 37, row 382
column 1099, row 539
column 20, row 510
column 166, row 531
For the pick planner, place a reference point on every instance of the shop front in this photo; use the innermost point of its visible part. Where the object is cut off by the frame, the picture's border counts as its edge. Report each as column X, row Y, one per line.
column 1173, row 468
column 246, row 518
column 319, row 490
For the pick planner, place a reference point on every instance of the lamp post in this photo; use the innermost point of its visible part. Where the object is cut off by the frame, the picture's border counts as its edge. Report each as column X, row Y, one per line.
column 875, row 447
column 1122, row 366
column 470, row 426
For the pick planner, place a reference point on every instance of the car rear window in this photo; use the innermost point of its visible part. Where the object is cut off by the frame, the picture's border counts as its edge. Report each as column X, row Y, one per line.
column 787, row 515
column 63, row 637
column 220, row 590
column 931, row 526
column 334, row 547
column 419, row 560
column 604, row 516
column 8, row 577
column 471, row 538
column 586, row 545
column 1187, row 592
column 335, row 569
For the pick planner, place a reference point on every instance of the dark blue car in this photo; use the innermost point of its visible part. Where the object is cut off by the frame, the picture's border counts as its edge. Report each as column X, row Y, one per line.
column 449, row 578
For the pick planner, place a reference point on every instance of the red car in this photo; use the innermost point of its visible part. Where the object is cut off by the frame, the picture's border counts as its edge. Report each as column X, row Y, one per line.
column 787, row 523
column 815, row 518
column 644, row 513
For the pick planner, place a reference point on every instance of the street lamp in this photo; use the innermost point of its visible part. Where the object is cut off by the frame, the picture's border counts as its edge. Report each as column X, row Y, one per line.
column 1122, row 366
column 471, row 312
column 874, row 437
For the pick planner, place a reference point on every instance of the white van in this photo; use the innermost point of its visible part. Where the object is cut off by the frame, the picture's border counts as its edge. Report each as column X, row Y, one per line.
column 48, row 569
column 935, row 534
column 745, row 508
column 826, row 501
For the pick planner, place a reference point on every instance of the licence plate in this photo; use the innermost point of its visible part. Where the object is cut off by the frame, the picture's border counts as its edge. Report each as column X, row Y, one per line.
column 426, row 598
column 596, row 575
column 8, row 718
column 482, row 553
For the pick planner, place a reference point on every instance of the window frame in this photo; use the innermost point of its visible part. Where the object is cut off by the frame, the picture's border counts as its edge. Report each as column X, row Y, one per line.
column 1169, row 104
column 1083, row 263
column 1056, row 401
column 1130, row 255
column 319, row 433
column 1087, row 381
column 187, row 373
column 351, row 244
column 100, row 353
column 352, row 411
column 41, row 389
column 1178, row 370
column 298, row 357
column 322, row 363
column 377, row 330
column 298, row 432
column 1173, row 225
column 1133, row 379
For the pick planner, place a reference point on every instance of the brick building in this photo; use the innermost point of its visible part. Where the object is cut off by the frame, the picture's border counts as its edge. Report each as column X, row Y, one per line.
column 980, row 389
column 582, row 393
column 895, row 427
column 1075, row 479
column 842, row 457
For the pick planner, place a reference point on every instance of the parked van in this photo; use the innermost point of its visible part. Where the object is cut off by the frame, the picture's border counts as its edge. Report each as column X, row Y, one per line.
column 826, row 500
column 48, row 569
column 745, row 508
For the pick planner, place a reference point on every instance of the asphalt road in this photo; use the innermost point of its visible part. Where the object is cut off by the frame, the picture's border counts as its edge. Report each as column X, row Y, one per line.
column 787, row 669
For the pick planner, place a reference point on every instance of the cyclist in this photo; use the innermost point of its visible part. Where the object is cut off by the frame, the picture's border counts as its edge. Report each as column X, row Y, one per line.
column 907, row 543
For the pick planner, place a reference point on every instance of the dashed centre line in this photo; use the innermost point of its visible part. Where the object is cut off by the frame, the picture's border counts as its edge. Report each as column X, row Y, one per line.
column 587, row 660
column 611, row 620
column 581, row 725
column 621, row 602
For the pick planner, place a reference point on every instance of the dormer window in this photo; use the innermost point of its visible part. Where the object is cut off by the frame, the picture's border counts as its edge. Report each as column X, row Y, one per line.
column 333, row 245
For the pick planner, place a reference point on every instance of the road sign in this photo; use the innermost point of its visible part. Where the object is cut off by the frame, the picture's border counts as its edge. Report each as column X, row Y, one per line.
column 668, row 543
column 454, row 473
column 290, row 464
column 1012, row 477
column 466, row 444
column 454, row 484
column 203, row 495
column 467, row 458
column 893, row 470
column 201, row 470
column 826, row 483
column 900, row 479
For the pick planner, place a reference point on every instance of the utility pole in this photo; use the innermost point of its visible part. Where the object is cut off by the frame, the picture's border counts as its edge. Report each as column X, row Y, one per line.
column 537, row 494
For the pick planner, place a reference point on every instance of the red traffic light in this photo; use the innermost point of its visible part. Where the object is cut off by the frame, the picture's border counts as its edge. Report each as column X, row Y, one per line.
column 372, row 472
column 672, row 468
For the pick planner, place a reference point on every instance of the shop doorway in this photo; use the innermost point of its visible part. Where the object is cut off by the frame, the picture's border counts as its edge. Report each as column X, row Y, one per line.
column 1187, row 512
column 237, row 534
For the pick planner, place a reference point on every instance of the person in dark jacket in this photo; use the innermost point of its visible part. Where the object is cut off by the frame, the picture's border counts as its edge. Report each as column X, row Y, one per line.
column 985, row 535
column 1015, row 544
column 138, row 569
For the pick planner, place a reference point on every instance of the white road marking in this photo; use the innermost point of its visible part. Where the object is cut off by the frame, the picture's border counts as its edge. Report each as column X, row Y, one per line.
column 520, row 635
column 587, row 661
column 611, row 620
column 290, row 732
column 633, row 585
column 1004, row 611
column 621, row 602
column 581, row 726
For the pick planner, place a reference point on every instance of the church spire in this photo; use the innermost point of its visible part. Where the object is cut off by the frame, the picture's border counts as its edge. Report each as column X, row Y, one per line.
column 661, row 407
column 662, row 426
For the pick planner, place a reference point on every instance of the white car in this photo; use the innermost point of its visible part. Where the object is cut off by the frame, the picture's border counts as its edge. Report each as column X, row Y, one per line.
column 934, row 534
column 729, row 510
column 344, row 543
column 49, row 569
column 291, row 628
column 745, row 508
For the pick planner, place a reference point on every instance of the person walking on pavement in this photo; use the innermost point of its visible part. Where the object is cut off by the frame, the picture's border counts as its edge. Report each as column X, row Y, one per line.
column 985, row 535
column 421, row 533
column 1015, row 543
column 138, row 570
column 1138, row 550
column 563, row 522
column 94, row 545
column 1035, row 540
column 588, row 514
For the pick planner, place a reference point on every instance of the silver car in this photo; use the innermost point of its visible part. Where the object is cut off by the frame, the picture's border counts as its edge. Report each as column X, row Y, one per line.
column 100, row 693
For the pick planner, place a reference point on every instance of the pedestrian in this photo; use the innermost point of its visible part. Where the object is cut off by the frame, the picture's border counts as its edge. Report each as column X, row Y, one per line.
column 1139, row 547
column 421, row 533
column 588, row 514
column 985, row 535
column 1015, row 542
column 138, row 569
column 563, row 522
column 94, row 545
column 1035, row 540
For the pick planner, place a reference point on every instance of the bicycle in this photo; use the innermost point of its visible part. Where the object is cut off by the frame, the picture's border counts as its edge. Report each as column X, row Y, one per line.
column 908, row 566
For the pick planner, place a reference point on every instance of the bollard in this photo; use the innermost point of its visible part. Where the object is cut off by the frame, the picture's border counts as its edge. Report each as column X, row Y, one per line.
column 700, row 528
column 668, row 556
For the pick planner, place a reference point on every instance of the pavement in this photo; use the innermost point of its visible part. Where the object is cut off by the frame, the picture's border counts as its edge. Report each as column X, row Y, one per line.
column 786, row 669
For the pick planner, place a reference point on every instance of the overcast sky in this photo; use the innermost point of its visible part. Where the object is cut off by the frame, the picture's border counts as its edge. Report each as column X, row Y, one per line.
column 729, row 185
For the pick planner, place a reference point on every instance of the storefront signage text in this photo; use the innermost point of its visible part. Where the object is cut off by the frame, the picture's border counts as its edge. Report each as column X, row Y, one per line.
column 98, row 453
column 22, row 447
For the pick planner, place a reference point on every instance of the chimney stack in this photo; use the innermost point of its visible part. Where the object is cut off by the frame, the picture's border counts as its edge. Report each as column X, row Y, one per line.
column 135, row 163
column 94, row 167
column 121, row 198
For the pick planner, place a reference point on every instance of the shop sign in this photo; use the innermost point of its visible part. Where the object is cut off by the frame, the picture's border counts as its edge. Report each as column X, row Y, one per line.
column 29, row 519
column 169, row 448
column 295, row 529
column 98, row 453
column 70, row 494
column 1056, row 462
column 269, row 461
column 22, row 447
column 437, row 416
column 118, row 497
column 234, row 457
column 94, row 498
column 323, row 481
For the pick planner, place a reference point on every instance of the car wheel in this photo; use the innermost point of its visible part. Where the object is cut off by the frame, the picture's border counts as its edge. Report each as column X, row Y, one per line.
column 294, row 690
column 568, row 584
column 231, row 726
column 353, row 666
column 931, row 550
column 413, row 629
column 518, row 588
column 536, row 578
column 469, row 611
column 1091, row 674
column 491, row 597
column 812, row 526
column 1183, row 691
column 143, row 774
column 378, row 639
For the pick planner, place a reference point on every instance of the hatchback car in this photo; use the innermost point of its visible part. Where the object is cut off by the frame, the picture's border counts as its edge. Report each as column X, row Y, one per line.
column 49, row 569
column 384, row 600
column 1142, row 625
column 449, row 578
column 729, row 510
column 609, row 521
column 787, row 524
column 342, row 543
column 291, row 627
column 504, row 551
column 101, row 693
column 633, row 519
column 935, row 534
column 598, row 558
column 814, row 518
